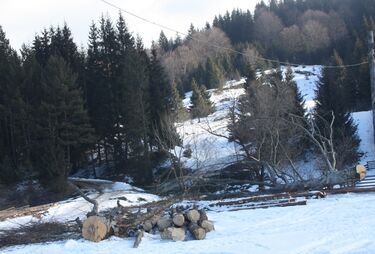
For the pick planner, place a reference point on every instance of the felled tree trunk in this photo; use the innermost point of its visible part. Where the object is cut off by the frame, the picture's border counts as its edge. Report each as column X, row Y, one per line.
column 198, row 232
column 173, row 233
column 95, row 228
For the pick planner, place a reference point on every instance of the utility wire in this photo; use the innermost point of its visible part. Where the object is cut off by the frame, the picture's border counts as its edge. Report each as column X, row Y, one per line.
column 219, row 46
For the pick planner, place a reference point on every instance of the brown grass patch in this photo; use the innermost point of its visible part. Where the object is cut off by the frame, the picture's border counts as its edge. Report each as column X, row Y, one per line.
column 38, row 233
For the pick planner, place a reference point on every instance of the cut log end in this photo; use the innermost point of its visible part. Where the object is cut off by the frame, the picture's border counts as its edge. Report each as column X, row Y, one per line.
column 173, row 233
column 198, row 232
column 95, row 228
column 193, row 216
column 207, row 225
column 164, row 223
column 178, row 219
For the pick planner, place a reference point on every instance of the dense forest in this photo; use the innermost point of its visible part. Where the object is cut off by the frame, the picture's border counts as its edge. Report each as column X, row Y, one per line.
column 114, row 103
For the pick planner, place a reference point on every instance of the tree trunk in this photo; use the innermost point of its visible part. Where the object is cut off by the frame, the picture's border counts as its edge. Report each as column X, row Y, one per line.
column 95, row 228
column 198, row 232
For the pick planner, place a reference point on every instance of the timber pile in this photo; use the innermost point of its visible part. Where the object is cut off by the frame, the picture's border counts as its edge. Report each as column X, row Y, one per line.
column 177, row 223
column 268, row 201
column 35, row 211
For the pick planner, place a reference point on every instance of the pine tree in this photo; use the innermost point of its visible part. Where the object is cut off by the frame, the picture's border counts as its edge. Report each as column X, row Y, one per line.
column 191, row 32
column 200, row 101
column 331, row 99
column 163, row 42
column 11, row 112
column 178, row 108
column 160, row 105
column 299, row 101
column 62, row 123
column 215, row 77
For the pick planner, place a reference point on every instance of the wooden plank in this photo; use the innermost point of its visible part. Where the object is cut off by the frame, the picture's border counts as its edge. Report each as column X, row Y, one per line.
column 350, row 190
column 298, row 203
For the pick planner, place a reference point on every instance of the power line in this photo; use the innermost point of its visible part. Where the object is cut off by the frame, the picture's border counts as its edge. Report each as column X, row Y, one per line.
column 219, row 46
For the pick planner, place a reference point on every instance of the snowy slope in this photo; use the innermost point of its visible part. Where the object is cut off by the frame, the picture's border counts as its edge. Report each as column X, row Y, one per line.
column 306, row 78
column 340, row 224
column 366, row 134
column 212, row 151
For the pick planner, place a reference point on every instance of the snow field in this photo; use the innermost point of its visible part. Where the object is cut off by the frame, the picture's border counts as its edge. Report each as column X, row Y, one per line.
column 339, row 224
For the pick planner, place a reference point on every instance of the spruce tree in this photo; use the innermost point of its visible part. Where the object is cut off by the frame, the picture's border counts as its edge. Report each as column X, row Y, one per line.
column 215, row 77
column 163, row 42
column 160, row 105
column 11, row 112
column 330, row 97
column 299, row 101
column 62, row 123
column 200, row 101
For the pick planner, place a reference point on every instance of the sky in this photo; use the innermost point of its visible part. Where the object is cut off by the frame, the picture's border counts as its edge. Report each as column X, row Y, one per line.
column 22, row 19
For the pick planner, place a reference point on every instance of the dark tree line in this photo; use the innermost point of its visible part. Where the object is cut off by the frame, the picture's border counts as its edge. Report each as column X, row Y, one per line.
column 62, row 108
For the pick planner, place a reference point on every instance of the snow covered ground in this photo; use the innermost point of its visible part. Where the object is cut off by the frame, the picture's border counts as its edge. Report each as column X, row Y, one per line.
column 366, row 133
column 70, row 209
column 339, row 224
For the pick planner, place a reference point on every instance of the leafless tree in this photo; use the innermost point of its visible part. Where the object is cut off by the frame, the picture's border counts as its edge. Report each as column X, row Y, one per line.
column 267, row 27
column 291, row 40
column 258, row 125
column 195, row 51
column 315, row 36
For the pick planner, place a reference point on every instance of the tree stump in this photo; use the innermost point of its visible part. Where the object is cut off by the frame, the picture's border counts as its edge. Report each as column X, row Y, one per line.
column 95, row 228
column 178, row 219
column 198, row 232
column 173, row 233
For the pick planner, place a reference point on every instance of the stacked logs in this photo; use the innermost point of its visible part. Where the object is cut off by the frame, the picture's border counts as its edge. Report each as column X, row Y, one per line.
column 177, row 224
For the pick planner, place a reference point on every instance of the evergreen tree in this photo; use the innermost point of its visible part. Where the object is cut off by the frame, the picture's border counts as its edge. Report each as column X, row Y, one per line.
column 11, row 112
column 160, row 104
column 298, row 98
column 200, row 101
column 178, row 108
column 215, row 77
column 191, row 32
column 61, row 123
column 330, row 96
column 163, row 42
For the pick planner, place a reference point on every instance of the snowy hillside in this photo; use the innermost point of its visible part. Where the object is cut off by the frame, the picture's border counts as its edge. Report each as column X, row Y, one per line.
column 212, row 151
column 207, row 138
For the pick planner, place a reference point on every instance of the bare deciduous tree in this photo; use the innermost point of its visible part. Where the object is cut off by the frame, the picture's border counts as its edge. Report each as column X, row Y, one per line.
column 267, row 27
column 291, row 40
column 195, row 51
column 315, row 36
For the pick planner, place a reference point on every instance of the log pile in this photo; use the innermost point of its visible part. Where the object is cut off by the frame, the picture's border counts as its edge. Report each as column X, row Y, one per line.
column 176, row 224
column 181, row 221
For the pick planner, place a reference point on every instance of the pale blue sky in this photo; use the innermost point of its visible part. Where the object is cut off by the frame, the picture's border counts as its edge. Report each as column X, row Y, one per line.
column 21, row 19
